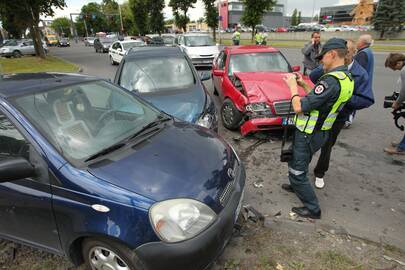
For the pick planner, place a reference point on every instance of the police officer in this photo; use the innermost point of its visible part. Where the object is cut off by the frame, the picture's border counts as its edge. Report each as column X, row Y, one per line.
column 236, row 37
column 315, row 115
column 258, row 38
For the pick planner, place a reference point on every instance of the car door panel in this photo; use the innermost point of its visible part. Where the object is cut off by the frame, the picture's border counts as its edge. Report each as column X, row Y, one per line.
column 26, row 205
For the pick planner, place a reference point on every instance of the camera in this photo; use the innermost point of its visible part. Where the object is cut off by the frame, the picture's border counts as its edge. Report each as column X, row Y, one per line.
column 398, row 113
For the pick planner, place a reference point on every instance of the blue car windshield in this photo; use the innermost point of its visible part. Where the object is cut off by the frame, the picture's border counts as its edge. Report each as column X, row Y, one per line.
column 156, row 74
column 82, row 119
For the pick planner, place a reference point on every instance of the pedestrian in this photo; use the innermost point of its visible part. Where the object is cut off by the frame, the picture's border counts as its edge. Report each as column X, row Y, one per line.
column 236, row 37
column 365, row 58
column 311, row 50
column 264, row 38
column 315, row 115
column 396, row 61
column 362, row 98
column 258, row 38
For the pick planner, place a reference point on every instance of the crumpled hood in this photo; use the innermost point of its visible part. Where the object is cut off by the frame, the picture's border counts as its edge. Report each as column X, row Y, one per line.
column 203, row 51
column 180, row 161
column 267, row 86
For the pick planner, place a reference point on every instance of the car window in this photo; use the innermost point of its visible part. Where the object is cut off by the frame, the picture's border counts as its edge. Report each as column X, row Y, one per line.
column 115, row 46
column 156, row 74
column 197, row 41
column 222, row 60
column 257, row 62
column 12, row 143
column 128, row 45
column 82, row 119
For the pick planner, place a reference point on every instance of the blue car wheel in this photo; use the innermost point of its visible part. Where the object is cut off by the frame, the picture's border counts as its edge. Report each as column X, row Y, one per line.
column 100, row 255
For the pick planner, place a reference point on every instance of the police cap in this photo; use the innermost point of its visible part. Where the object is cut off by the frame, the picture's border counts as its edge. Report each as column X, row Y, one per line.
column 331, row 44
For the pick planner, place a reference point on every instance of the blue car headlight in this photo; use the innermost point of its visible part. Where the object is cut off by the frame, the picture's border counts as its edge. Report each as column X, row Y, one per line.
column 209, row 118
column 180, row 219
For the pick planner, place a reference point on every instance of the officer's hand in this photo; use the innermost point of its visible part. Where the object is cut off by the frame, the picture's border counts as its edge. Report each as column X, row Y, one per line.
column 290, row 80
column 299, row 79
column 395, row 105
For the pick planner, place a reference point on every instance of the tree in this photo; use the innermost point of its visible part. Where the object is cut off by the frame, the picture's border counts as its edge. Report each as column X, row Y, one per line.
column 156, row 18
column 299, row 17
column 390, row 15
column 14, row 26
column 294, row 18
column 111, row 11
column 315, row 18
column 140, row 12
column 61, row 26
column 30, row 12
column 180, row 8
column 128, row 20
column 254, row 12
column 93, row 17
column 211, row 15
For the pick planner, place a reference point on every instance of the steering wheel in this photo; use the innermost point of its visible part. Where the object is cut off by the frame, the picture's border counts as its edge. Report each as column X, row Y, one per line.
column 103, row 118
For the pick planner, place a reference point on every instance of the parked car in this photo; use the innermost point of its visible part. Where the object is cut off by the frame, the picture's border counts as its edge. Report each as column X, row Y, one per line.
column 64, row 42
column 18, row 48
column 102, row 44
column 93, row 172
column 120, row 48
column 333, row 28
column 89, row 41
column 281, row 30
column 253, row 94
column 166, row 77
column 169, row 39
column 200, row 48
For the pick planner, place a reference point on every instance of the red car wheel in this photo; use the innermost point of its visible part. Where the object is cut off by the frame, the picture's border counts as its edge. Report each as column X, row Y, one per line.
column 231, row 116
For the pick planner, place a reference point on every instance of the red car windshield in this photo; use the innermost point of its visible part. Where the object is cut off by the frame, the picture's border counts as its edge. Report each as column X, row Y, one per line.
column 258, row 62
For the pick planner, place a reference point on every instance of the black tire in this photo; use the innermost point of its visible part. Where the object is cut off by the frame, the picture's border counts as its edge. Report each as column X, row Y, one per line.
column 124, row 256
column 17, row 54
column 231, row 116
column 96, row 50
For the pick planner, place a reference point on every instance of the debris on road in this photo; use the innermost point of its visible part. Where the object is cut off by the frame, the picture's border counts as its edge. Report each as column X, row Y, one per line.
column 257, row 184
column 250, row 213
column 393, row 260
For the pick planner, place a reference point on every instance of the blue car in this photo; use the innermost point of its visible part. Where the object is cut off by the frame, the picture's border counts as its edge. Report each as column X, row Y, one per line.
column 166, row 77
column 90, row 171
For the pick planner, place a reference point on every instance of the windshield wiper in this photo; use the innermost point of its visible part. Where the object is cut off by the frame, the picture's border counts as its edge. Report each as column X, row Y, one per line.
column 160, row 119
column 106, row 151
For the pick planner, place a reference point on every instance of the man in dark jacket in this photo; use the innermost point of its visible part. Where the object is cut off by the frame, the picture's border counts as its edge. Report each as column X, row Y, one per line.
column 362, row 98
column 311, row 51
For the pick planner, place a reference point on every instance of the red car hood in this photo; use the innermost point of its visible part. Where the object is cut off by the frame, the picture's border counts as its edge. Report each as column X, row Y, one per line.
column 267, row 86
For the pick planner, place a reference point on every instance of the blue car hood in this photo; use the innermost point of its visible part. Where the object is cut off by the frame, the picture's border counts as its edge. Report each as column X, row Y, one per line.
column 180, row 161
column 186, row 105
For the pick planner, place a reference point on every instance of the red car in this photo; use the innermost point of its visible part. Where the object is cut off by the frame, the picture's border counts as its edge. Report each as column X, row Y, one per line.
column 281, row 29
column 249, row 82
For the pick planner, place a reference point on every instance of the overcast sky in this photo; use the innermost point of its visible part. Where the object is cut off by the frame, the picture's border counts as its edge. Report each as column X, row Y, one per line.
column 307, row 7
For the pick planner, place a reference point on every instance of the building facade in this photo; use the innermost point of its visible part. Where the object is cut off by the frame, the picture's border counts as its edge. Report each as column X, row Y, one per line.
column 347, row 14
column 231, row 13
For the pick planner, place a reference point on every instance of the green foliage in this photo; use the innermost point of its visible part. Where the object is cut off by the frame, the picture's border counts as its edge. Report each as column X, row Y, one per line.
column 61, row 26
column 128, row 20
column 156, row 18
column 316, row 18
column 111, row 11
column 140, row 12
column 294, row 18
column 180, row 8
column 92, row 15
column 390, row 14
column 254, row 12
column 211, row 15
column 299, row 17
column 29, row 11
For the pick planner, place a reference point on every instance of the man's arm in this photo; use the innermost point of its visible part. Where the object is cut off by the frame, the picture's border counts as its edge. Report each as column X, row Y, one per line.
column 316, row 73
column 361, row 95
column 307, row 49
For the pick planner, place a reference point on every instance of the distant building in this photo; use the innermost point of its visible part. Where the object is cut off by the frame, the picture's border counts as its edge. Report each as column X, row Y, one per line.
column 348, row 14
column 231, row 13
column 288, row 19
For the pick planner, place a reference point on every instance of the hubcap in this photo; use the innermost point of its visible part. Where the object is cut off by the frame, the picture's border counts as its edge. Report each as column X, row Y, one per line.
column 227, row 113
column 102, row 258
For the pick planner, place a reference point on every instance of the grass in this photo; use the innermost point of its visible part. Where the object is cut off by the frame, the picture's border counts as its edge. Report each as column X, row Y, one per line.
column 380, row 46
column 35, row 64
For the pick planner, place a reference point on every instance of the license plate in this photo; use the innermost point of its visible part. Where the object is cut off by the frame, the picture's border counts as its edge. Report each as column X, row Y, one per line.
column 239, row 206
column 288, row 121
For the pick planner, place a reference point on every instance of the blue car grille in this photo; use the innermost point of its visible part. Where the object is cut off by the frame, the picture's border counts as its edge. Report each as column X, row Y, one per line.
column 224, row 196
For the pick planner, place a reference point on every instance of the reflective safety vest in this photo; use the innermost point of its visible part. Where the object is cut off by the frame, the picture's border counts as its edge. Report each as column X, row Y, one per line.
column 236, row 35
column 259, row 38
column 306, row 123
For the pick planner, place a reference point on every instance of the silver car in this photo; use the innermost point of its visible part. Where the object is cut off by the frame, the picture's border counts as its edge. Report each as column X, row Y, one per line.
column 18, row 48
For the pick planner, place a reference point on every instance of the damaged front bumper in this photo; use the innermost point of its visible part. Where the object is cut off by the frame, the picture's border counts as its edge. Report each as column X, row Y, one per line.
column 260, row 124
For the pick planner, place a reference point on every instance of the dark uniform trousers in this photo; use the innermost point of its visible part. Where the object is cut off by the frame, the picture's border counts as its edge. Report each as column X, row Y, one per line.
column 323, row 162
column 304, row 147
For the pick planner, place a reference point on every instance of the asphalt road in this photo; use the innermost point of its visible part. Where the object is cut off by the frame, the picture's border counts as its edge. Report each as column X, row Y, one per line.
column 365, row 188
